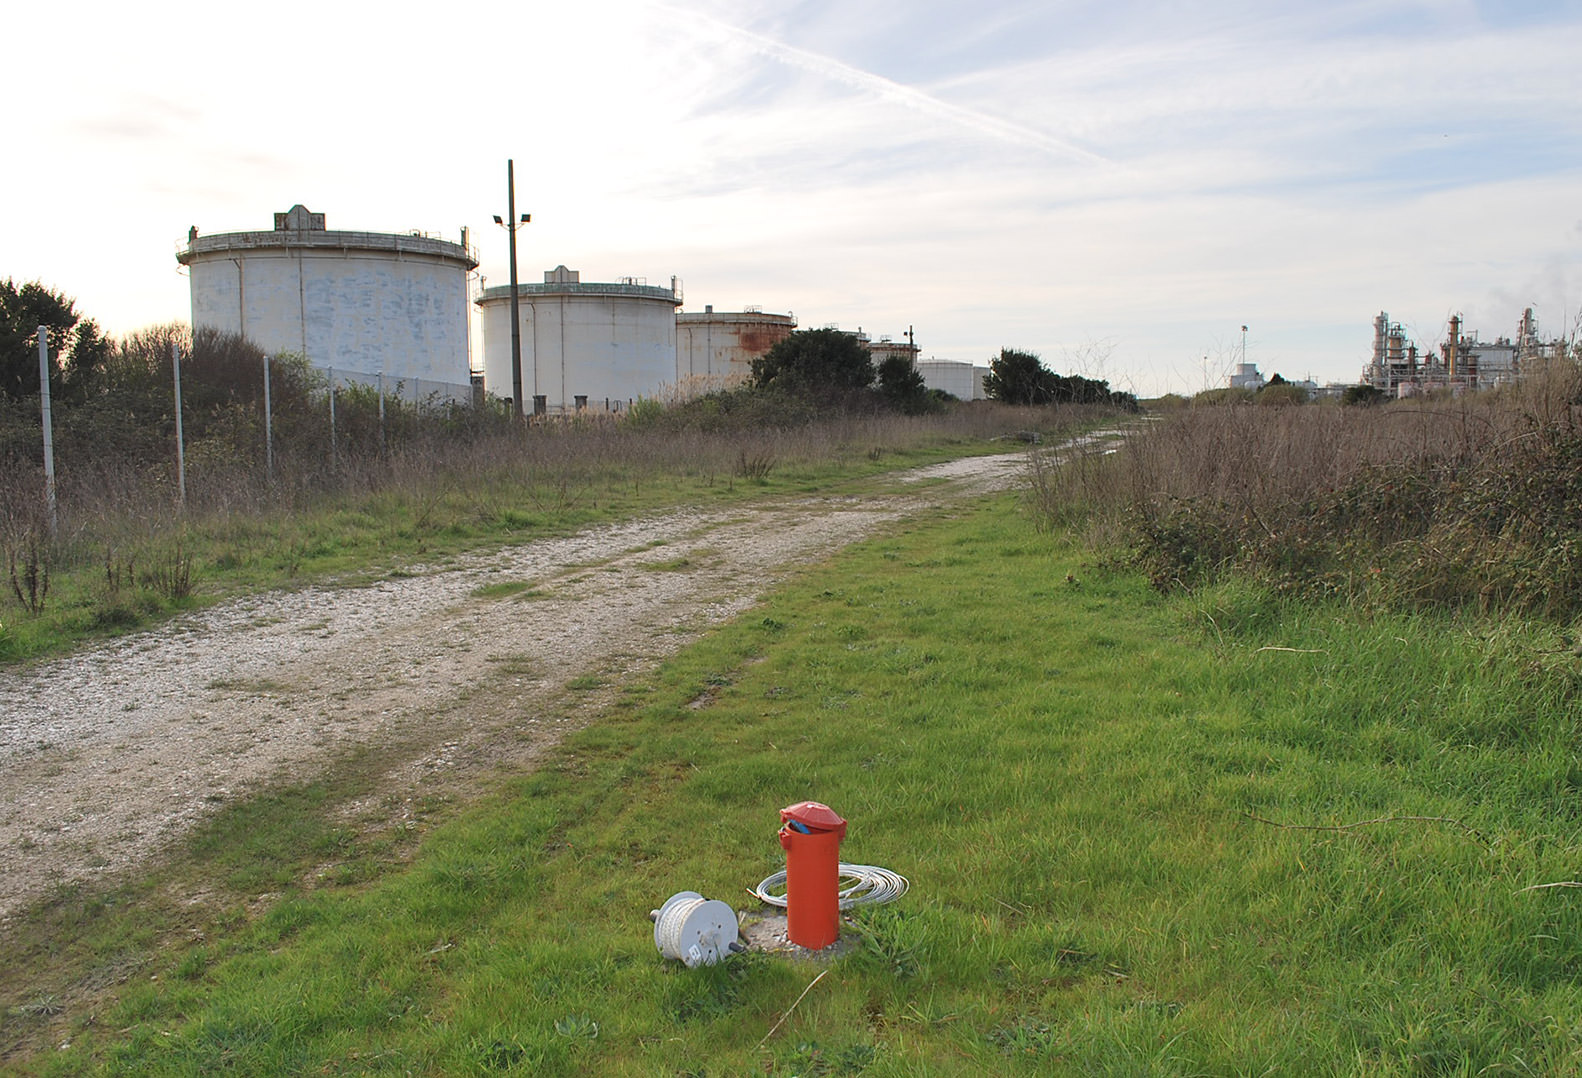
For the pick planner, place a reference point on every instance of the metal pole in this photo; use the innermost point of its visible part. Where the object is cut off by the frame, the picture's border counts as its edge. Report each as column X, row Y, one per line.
column 516, row 313
column 382, row 411
column 269, row 425
column 181, row 448
column 49, row 429
column 333, row 448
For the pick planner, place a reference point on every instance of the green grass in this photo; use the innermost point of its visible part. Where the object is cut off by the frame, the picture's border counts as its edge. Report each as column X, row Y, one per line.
column 505, row 589
column 1101, row 797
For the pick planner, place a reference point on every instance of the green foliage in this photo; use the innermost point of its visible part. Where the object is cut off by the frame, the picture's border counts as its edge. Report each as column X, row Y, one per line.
column 1225, row 395
column 84, row 367
column 901, row 384
column 1020, row 378
column 1017, row 377
column 1362, row 395
column 1281, row 393
column 743, row 409
column 645, row 412
column 77, row 351
column 118, row 405
column 815, row 362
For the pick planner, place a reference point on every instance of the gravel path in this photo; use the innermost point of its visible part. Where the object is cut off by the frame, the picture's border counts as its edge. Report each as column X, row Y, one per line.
column 109, row 755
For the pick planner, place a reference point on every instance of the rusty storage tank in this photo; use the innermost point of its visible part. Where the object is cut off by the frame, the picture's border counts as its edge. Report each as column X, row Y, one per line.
column 884, row 348
column 717, row 348
column 584, row 345
column 362, row 304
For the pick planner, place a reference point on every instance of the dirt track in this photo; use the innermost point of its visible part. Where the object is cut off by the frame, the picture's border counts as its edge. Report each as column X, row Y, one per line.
column 109, row 755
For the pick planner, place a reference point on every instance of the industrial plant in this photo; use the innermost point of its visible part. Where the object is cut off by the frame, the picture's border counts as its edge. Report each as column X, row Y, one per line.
column 1461, row 363
column 395, row 309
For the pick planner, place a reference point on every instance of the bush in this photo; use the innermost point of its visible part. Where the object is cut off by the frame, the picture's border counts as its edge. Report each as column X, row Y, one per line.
column 1017, row 377
column 815, row 362
column 903, row 388
column 1362, row 396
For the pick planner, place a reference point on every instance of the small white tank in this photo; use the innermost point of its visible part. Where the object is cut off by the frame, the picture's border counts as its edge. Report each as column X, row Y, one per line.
column 360, row 303
column 584, row 345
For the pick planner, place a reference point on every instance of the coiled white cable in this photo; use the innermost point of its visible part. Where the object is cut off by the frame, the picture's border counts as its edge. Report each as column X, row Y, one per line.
column 872, row 884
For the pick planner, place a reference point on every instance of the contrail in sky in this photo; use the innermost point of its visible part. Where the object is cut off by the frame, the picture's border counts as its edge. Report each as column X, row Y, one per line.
column 890, row 90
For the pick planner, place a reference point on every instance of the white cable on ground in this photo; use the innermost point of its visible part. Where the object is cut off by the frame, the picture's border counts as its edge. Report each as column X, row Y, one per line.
column 873, row 884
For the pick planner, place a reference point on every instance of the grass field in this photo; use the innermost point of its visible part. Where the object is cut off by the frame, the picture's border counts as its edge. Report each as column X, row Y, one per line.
column 1211, row 834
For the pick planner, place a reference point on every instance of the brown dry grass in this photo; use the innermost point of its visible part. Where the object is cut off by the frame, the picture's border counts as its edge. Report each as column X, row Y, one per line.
column 1468, row 501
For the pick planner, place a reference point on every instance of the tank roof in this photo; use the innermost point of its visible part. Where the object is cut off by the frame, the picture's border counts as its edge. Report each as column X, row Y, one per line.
column 733, row 317
column 576, row 287
column 299, row 227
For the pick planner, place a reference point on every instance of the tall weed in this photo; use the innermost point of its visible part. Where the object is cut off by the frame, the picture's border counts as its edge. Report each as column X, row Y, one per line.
column 430, row 473
column 1471, row 502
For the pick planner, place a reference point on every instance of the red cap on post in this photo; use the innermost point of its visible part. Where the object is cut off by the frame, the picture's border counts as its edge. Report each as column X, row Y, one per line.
column 814, row 816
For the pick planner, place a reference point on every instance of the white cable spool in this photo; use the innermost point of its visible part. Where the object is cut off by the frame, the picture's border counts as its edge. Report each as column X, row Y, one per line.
column 868, row 883
column 695, row 930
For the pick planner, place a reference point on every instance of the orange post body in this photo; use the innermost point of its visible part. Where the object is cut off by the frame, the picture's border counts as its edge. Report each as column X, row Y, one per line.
column 811, row 837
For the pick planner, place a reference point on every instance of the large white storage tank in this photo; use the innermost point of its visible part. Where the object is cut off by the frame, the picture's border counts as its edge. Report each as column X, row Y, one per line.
column 961, row 380
column 716, row 349
column 584, row 345
column 358, row 303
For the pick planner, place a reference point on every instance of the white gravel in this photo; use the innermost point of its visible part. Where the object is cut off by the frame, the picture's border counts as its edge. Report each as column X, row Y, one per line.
column 110, row 754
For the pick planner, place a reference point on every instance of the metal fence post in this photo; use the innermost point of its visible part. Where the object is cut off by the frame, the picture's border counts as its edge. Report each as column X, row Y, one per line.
column 49, row 430
column 181, row 448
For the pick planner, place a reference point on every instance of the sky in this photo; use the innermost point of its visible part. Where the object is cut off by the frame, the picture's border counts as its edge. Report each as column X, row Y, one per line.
column 1118, row 186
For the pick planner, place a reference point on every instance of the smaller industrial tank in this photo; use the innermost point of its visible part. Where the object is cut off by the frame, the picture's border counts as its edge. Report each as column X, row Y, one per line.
column 716, row 349
column 584, row 345
column 960, row 379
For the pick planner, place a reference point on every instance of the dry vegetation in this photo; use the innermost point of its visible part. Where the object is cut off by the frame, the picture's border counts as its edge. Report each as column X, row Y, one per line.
column 387, row 479
column 1470, row 502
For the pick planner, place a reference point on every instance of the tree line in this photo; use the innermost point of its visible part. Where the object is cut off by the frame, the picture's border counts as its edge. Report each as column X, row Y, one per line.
column 114, row 407
column 830, row 362
column 113, row 410
column 1018, row 377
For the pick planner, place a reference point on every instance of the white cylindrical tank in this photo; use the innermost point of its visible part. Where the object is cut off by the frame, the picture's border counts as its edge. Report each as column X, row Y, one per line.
column 363, row 303
column 583, row 345
column 716, row 349
column 960, row 379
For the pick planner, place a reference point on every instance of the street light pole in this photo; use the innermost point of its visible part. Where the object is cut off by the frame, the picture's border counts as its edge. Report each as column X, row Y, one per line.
column 511, row 224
